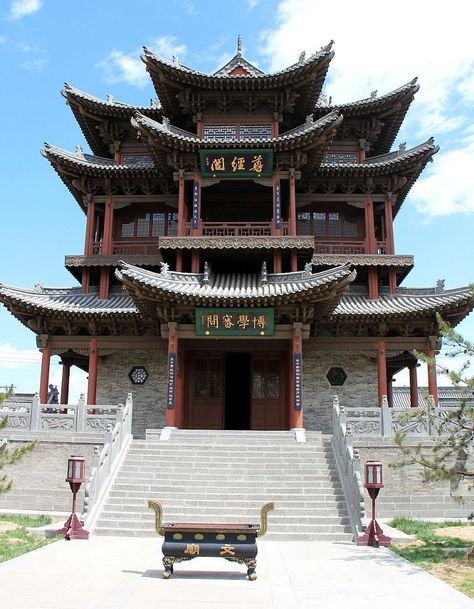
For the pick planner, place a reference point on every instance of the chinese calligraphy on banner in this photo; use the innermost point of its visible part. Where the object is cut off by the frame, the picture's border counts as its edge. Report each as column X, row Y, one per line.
column 236, row 163
column 235, row 322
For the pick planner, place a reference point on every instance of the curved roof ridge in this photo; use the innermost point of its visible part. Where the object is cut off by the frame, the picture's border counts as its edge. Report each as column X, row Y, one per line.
column 372, row 100
column 149, row 54
column 402, row 153
column 74, row 91
column 89, row 160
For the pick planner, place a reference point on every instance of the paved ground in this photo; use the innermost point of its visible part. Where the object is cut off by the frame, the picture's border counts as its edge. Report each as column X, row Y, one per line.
column 125, row 573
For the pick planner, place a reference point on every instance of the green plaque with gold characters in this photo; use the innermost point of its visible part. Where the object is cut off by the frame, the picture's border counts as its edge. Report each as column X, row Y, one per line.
column 256, row 163
column 221, row 321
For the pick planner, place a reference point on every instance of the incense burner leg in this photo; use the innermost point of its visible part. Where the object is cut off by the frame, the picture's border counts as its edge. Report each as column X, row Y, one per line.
column 251, row 564
column 168, row 562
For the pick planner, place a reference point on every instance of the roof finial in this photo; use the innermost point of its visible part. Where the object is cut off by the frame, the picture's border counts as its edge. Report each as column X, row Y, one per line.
column 302, row 57
column 239, row 45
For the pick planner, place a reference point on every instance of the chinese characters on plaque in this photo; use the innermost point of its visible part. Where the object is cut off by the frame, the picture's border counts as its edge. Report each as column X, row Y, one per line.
column 235, row 322
column 236, row 163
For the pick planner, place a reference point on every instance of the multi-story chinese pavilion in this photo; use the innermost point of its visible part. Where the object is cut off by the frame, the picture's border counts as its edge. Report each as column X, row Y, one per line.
column 239, row 266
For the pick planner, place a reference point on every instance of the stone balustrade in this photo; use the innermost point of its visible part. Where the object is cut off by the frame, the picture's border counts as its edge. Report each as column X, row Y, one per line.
column 34, row 417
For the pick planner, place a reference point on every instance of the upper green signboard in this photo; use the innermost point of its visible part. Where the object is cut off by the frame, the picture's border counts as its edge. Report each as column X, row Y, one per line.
column 236, row 163
column 221, row 321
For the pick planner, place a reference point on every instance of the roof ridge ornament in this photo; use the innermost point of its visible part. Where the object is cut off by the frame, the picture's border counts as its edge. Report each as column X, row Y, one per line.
column 264, row 274
column 440, row 285
column 402, row 147
column 79, row 151
column 39, row 287
column 302, row 57
column 373, row 94
column 308, row 269
column 239, row 45
column 109, row 98
column 165, row 269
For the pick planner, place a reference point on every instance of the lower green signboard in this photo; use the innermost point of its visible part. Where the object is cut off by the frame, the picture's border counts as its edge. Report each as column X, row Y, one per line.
column 221, row 321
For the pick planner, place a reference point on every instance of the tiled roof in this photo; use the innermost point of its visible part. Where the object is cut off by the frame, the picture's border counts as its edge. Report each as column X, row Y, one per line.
column 307, row 76
column 391, row 108
column 171, row 137
column 96, row 165
column 68, row 302
column 231, row 289
column 238, row 62
column 151, row 58
column 406, row 303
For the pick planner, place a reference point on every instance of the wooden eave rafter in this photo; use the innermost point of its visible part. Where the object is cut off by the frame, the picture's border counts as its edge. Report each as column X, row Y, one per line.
column 96, row 117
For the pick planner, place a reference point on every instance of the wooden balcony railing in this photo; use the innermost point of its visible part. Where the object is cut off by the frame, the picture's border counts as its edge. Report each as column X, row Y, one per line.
column 129, row 248
column 235, row 229
column 323, row 246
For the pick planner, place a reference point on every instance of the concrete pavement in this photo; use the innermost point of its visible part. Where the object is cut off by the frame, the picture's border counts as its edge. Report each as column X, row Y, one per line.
column 125, row 573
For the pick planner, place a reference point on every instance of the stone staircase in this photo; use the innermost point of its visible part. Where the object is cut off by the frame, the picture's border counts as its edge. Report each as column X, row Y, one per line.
column 226, row 476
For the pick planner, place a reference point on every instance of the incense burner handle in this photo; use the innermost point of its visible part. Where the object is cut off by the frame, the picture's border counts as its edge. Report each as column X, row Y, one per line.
column 154, row 505
column 268, row 507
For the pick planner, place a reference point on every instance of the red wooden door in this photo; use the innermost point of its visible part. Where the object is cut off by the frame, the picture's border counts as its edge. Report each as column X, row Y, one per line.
column 204, row 403
column 269, row 384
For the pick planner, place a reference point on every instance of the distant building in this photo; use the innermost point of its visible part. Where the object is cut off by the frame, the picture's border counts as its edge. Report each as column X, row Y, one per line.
column 239, row 266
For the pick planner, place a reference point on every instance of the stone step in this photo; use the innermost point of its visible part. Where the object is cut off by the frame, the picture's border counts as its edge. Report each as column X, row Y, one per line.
column 282, row 486
column 190, row 477
column 186, row 500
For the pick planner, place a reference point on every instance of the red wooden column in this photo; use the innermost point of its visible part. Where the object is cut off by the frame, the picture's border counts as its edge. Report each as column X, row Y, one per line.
column 88, row 243
column 370, row 241
column 92, row 381
column 296, row 384
column 413, row 386
column 44, row 377
column 373, row 279
column 65, row 383
column 390, row 244
column 432, row 381
column 174, row 394
column 294, row 261
column 382, row 370
column 106, row 246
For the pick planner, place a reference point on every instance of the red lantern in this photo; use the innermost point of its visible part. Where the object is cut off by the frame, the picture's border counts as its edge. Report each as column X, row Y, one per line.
column 76, row 475
column 373, row 535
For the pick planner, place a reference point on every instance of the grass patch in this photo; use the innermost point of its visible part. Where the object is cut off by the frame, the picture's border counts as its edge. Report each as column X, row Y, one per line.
column 17, row 540
column 443, row 556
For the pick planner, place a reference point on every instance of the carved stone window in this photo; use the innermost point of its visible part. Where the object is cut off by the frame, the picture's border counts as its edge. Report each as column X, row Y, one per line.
column 138, row 375
column 336, row 376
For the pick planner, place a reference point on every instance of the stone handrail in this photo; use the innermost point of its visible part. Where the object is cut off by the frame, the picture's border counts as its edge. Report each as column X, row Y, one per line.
column 386, row 422
column 52, row 418
column 106, row 461
column 348, row 466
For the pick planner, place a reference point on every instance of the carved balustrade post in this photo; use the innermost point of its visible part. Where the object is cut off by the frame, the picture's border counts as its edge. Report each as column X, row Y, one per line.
column 35, row 413
column 80, row 414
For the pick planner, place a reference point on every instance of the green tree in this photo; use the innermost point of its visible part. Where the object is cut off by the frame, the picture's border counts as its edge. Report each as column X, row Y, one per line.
column 451, row 455
column 8, row 457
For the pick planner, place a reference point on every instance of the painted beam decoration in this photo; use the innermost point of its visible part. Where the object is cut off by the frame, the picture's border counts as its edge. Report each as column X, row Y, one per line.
column 220, row 321
column 236, row 163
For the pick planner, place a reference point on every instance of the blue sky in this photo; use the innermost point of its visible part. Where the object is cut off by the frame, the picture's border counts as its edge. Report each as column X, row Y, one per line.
column 94, row 45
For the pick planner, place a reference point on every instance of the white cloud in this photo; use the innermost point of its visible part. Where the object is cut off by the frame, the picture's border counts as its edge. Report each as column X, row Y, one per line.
column 376, row 52
column 22, row 8
column 3, row 39
column 12, row 358
column 118, row 66
column 449, row 188
column 34, row 65
column 251, row 4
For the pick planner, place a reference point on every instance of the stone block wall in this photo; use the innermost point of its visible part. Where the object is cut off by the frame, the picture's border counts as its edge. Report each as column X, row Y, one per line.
column 113, row 385
column 359, row 388
column 405, row 493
